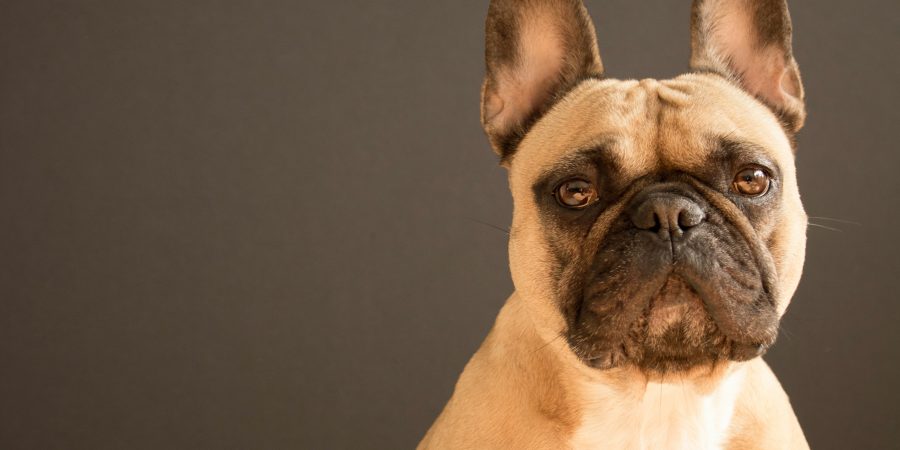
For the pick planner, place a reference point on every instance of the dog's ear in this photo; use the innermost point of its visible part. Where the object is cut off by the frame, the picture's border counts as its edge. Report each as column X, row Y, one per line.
column 749, row 41
column 535, row 50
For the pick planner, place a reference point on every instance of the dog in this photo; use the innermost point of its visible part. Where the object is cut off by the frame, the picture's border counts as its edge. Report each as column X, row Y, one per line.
column 657, row 238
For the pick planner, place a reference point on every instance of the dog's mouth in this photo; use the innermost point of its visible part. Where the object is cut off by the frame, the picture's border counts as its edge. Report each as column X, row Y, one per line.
column 673, row 332
column 676, row 332
column 678, row 316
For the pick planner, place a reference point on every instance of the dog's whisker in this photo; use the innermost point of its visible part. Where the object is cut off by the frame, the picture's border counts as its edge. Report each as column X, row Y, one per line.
column 660, row 400
column 548, row 343
column 784, row 331
column 825, row 227
column 505, row 230
column 832, row 219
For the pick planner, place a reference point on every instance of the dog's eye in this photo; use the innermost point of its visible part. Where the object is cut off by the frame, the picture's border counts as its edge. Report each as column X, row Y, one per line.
column 576, row 193
column 751, row 181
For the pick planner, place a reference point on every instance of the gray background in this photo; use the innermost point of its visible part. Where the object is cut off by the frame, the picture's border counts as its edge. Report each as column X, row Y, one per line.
column 236, row 225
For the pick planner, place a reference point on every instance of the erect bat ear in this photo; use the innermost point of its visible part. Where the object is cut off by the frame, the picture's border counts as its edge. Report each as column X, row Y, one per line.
column 749, row 41
column 535, row 50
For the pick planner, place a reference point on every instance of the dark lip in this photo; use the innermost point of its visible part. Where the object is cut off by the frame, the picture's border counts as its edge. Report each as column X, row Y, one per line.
column 662, row 361
column 712, row 310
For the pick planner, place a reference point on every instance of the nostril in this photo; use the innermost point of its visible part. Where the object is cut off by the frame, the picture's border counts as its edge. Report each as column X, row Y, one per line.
column 646, row 217
column 656, row 223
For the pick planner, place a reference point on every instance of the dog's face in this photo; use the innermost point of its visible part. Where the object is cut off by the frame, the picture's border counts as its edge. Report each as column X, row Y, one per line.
column 656, row 223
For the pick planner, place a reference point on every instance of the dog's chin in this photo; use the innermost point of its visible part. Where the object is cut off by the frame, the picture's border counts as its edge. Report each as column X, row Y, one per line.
column 675, row 334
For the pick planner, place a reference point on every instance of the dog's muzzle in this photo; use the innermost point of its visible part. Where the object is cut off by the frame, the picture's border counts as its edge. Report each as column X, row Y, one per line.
column 674, row 284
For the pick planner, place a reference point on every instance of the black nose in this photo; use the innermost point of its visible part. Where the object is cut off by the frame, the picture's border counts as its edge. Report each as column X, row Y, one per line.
column 668, row 214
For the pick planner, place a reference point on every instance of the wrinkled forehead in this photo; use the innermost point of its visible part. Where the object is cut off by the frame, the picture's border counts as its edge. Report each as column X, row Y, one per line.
column 651, row 125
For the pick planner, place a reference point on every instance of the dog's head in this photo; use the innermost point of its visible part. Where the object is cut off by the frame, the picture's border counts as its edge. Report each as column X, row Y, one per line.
column 657, row 223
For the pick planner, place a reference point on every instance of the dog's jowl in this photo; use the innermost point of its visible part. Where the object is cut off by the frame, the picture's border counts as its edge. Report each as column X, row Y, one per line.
column 657, row 238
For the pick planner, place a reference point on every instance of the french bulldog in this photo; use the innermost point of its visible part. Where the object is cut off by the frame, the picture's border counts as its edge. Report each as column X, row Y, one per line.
column 657, row 238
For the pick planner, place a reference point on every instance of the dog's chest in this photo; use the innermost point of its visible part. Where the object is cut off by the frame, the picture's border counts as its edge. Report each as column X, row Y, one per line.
column 667, row 416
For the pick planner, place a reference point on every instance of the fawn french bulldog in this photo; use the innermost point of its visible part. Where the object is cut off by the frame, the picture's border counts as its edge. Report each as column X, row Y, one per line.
column 656, row 240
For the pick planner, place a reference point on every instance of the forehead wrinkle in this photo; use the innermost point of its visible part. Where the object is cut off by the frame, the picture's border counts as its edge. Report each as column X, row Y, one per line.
column 589, row 156
column 587, row 116
column 650, row 125
column 637, row 125
column 721, row 106
column 690, row 117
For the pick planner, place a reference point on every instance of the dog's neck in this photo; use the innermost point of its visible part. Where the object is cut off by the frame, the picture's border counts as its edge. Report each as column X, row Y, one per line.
column 676, row 412
column 627, row 408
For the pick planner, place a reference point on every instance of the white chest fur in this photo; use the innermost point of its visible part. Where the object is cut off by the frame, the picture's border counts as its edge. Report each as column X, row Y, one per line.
column 672, row 415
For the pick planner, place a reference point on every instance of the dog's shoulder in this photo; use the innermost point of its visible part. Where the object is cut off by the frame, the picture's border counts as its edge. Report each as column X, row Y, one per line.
column 763, row 417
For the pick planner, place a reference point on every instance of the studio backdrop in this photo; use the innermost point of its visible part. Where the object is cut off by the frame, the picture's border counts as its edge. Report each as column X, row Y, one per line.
column 278, row 224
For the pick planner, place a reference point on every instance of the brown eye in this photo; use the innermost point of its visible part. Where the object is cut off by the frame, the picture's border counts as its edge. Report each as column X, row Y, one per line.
column 751, row 181
column 576, row 194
